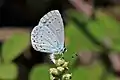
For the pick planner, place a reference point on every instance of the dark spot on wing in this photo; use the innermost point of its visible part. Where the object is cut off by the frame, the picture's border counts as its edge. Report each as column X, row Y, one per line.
column 44, row 22
column 33, row 40
column 36, row 47
column 40, row 46
column 57, row 29
column 36, row 28
column 33, row 35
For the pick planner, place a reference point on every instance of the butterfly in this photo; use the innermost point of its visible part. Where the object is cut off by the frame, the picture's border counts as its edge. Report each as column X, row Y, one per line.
column 48, row 35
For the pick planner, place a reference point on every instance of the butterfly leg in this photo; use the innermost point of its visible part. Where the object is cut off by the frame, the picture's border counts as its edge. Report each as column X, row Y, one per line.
column 52, row 57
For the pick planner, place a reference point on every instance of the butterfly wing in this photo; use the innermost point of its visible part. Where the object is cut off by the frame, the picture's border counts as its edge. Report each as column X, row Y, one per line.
column 55, row 24
column 48, row 35
column 40, row 40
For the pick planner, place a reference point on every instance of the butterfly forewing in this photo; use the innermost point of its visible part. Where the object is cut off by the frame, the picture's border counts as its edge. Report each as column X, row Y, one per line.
column 54, row 22
column 57, row 20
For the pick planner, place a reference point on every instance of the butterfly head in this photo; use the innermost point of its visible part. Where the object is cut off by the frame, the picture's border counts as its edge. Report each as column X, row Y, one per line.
column 63, row 50
column 60, row 50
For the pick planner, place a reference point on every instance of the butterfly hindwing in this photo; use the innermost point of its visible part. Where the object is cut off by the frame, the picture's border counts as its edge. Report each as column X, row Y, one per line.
column 39, row 41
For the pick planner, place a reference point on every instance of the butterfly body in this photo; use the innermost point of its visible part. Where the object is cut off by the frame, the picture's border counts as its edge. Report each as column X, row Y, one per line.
column 48, row 35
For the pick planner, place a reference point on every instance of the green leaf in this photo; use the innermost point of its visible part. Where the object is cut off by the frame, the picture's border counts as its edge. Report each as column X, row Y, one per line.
column 79, row 15
column 77, row 41
column 14, row 46
column 92, row 72
column 40, row 72
column 97, row 30
column 8, row 71
column 111, row 77
column 112, row 26
column 105, row 27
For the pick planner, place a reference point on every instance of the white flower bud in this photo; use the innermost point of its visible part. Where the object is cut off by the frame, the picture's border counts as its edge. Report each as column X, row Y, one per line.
column 52, row 77
column 67, row 76
column 61, row 69
column 54, row 71
column 60, row 62
column 65, row 65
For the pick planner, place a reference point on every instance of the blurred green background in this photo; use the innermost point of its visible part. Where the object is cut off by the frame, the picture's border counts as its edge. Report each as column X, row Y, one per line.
column 92, row 31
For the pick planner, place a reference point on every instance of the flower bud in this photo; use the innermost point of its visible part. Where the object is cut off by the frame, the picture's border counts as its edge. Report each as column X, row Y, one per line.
column 65, row 65
column 61, row 69
column 60, row 62
column 67, row 76
column 54, row 71
column 52, row 77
